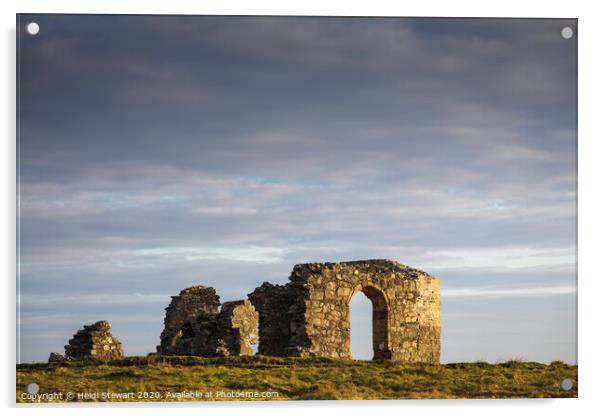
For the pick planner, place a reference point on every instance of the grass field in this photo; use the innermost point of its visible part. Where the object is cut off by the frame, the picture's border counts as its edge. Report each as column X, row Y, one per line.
column 271, row 378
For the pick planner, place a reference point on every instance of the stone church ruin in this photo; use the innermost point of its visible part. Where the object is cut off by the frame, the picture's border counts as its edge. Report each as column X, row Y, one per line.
column 309, row 315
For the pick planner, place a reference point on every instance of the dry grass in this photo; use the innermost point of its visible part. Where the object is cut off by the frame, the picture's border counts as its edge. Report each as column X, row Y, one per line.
column 162, row 378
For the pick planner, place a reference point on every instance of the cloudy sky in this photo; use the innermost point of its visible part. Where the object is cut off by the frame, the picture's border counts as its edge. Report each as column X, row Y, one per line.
column 160, row 152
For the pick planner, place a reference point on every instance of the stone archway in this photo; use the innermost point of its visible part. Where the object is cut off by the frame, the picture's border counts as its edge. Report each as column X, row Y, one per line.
column 380, row 320
column 309, row 316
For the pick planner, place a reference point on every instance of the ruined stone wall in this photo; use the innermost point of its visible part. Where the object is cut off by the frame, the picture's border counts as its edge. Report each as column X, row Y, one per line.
column 94, row 342
column 273, row 303
column 190, row 302
column 240, row 322
column 428, row 320
column 233, row 331
column 315, row 304
column 200, row 336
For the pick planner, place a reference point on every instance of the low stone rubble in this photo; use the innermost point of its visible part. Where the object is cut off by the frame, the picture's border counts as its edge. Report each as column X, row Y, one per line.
column 93, row 342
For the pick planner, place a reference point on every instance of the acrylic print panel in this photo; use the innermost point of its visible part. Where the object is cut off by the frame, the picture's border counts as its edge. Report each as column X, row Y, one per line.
column 283, row 208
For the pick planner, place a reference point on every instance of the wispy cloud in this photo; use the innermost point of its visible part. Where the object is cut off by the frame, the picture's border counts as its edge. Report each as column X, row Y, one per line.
column 92, row 299
column 492, row 292
column 249, row 253
column 514, row 257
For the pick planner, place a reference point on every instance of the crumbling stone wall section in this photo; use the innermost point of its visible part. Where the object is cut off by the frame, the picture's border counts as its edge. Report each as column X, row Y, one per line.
column 233, row 331
column 200, row 336
column 315, row 305
column 420, row 332
column 190, row 302
column 94, row 342
column 240, row 321
column 274, row 302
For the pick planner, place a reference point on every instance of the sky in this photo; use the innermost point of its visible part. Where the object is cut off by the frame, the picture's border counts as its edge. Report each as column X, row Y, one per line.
column 160, row 152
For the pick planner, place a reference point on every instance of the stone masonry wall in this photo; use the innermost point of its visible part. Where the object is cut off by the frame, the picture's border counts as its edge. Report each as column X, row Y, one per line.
column 240, row 321
column 190, row 302
column 273, row 302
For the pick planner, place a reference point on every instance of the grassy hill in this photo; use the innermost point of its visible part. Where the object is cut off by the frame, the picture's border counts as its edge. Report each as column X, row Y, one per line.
column 270, row 378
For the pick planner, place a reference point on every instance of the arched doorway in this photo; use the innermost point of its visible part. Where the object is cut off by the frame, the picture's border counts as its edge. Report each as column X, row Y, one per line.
column 360, row 319
column 380, row 321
